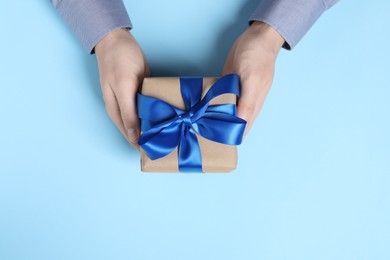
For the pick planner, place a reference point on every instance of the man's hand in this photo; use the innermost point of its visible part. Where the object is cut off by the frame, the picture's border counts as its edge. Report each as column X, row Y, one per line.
column 253, row 57
column 122, row 67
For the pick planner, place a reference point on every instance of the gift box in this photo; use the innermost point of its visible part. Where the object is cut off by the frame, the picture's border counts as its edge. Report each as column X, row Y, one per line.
column 189, row 124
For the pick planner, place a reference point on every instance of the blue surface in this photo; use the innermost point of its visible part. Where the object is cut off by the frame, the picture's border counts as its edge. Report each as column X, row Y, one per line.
column 313, row 176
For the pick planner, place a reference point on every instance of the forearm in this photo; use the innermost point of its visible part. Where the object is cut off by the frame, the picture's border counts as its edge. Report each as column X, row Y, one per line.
column 91, row 20
column 291, row 18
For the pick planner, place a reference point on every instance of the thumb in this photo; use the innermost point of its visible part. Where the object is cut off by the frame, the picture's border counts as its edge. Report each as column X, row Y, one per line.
column 251, row 100
column 126, row 97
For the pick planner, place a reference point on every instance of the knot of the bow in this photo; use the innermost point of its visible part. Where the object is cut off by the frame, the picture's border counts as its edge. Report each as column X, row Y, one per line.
column 186, row 118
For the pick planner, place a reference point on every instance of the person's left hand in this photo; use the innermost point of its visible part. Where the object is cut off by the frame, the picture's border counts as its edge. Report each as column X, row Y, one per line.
column 252, row 57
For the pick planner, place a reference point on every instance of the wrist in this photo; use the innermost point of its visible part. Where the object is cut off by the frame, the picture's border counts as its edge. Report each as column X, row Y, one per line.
column 272, row 39
column 111, row 39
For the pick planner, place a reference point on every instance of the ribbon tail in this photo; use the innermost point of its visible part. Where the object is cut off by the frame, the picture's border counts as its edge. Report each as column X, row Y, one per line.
column 190, row 158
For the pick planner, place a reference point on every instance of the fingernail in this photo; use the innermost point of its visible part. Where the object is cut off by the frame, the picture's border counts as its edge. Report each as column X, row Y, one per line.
column 132, row 134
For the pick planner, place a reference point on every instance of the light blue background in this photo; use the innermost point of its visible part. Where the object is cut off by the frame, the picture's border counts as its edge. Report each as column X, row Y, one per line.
column 313, row 175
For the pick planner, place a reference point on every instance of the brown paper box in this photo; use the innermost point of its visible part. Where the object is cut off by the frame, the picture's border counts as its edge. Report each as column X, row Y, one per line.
column 216, row 157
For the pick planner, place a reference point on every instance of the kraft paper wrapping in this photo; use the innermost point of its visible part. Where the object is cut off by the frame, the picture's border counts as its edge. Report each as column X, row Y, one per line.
column 216, row 157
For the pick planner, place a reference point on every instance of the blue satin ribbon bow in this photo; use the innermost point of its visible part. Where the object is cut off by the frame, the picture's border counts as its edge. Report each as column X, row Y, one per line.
column 166, row 127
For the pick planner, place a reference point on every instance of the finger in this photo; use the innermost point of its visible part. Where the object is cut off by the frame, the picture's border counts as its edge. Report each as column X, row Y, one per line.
column 126, row 95
column 112, row 109
column 253, row 94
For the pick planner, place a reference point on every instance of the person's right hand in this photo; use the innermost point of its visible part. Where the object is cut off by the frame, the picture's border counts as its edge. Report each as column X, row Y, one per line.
column 122, row 68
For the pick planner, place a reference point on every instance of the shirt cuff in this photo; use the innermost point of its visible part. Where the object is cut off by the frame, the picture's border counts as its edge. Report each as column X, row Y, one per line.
column 291, row 18
column 91, row 20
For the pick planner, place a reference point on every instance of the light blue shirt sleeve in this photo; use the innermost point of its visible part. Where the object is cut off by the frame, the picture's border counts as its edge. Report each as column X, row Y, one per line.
column 291, row 18
column 91, row 20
